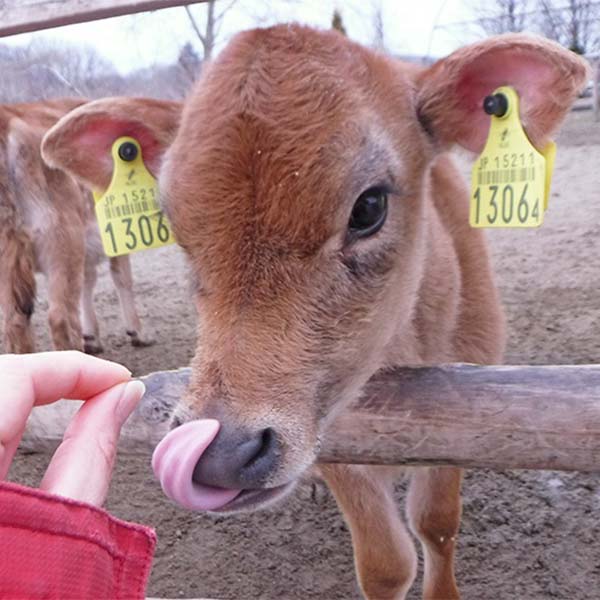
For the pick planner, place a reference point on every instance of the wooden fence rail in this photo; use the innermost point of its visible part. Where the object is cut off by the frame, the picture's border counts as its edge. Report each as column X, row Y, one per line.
column 476, row 417
column 21, row 16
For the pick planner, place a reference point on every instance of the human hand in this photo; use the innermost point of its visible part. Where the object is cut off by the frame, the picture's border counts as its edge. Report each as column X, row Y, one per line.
column 82, row 465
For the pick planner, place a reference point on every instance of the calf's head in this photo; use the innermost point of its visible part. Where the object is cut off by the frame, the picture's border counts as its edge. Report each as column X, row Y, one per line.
column 297, row 183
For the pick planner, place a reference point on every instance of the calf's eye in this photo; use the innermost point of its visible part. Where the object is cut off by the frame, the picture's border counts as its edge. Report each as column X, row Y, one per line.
column 369, row 213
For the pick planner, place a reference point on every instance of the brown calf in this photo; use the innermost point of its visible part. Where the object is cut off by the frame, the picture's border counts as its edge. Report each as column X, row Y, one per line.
column 327, row 230
column 47, row 224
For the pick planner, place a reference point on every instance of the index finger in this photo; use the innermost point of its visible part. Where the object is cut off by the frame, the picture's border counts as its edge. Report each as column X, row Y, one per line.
column 48, row 376
column 35, row 379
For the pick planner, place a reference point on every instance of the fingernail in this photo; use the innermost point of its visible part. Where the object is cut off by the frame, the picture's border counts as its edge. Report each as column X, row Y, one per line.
column 125, row 369
column 132, row 394
column 122, row 367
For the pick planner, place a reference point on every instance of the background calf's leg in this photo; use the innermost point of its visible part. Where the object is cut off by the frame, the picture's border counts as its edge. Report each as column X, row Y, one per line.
column 65, row 269
column 18, row 334
column 120, row 270
column 63, row 312
column 434, row 510
column 17, row 291
column 384, row 554
column 91, row 330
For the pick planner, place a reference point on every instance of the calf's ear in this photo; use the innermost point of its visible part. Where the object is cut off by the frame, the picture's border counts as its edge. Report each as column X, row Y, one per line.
column 81, row 142
column 546, row 76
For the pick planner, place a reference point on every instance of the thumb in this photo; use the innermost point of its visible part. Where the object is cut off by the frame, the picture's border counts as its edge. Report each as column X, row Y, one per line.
column 81, row 467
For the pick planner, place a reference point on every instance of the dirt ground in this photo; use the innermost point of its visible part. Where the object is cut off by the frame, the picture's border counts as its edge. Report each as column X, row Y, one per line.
column 524, row 534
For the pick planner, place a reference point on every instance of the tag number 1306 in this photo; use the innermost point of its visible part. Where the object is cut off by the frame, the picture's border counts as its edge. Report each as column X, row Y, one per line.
column 502, row 204
column 140, row 230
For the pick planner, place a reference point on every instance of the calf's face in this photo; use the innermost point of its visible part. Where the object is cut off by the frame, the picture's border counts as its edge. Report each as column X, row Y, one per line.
column 297, row 198
column 297, row 184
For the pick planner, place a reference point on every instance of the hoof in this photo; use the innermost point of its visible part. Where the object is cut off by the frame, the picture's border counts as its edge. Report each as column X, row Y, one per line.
column 138, row 342
column 91, row 346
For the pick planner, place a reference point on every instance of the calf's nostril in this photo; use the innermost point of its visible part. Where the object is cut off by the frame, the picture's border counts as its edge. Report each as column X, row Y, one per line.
column 175, row 423
column 265, row 447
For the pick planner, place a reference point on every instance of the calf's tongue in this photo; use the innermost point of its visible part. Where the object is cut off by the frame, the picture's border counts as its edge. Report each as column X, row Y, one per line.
column 173, row 462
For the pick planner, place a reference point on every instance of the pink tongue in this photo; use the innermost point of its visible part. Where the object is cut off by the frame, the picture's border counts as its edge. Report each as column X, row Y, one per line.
column 173, row 462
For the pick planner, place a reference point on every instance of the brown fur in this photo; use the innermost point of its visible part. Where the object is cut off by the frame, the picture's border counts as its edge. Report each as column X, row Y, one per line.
column 47, row 224
column 280, row 136
column 21, row 128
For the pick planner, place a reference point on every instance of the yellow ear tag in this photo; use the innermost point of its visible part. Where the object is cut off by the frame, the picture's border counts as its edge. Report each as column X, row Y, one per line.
column 510, row 182
column 128, row 213
column 549, row 153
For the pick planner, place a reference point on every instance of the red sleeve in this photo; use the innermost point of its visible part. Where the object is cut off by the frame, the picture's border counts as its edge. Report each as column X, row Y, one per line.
column 53, row 547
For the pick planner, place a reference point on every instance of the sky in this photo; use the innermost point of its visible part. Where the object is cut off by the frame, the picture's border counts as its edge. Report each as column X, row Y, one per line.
column 422, row 27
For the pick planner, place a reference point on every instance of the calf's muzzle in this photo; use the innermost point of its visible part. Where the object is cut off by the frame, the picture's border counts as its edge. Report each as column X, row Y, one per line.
column 238, row 459
column 202, row 466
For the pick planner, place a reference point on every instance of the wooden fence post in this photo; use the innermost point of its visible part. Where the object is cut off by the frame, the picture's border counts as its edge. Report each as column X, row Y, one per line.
column 505, row 417
column 21, row 16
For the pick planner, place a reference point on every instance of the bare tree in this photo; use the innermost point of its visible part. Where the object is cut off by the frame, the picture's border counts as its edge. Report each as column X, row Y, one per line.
column 212, row 24
column 337, row 23
column 378, row 25
column 45, row 69
column 574, row 24
column 502, row 16
column 189, row 61
column 74, row 69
